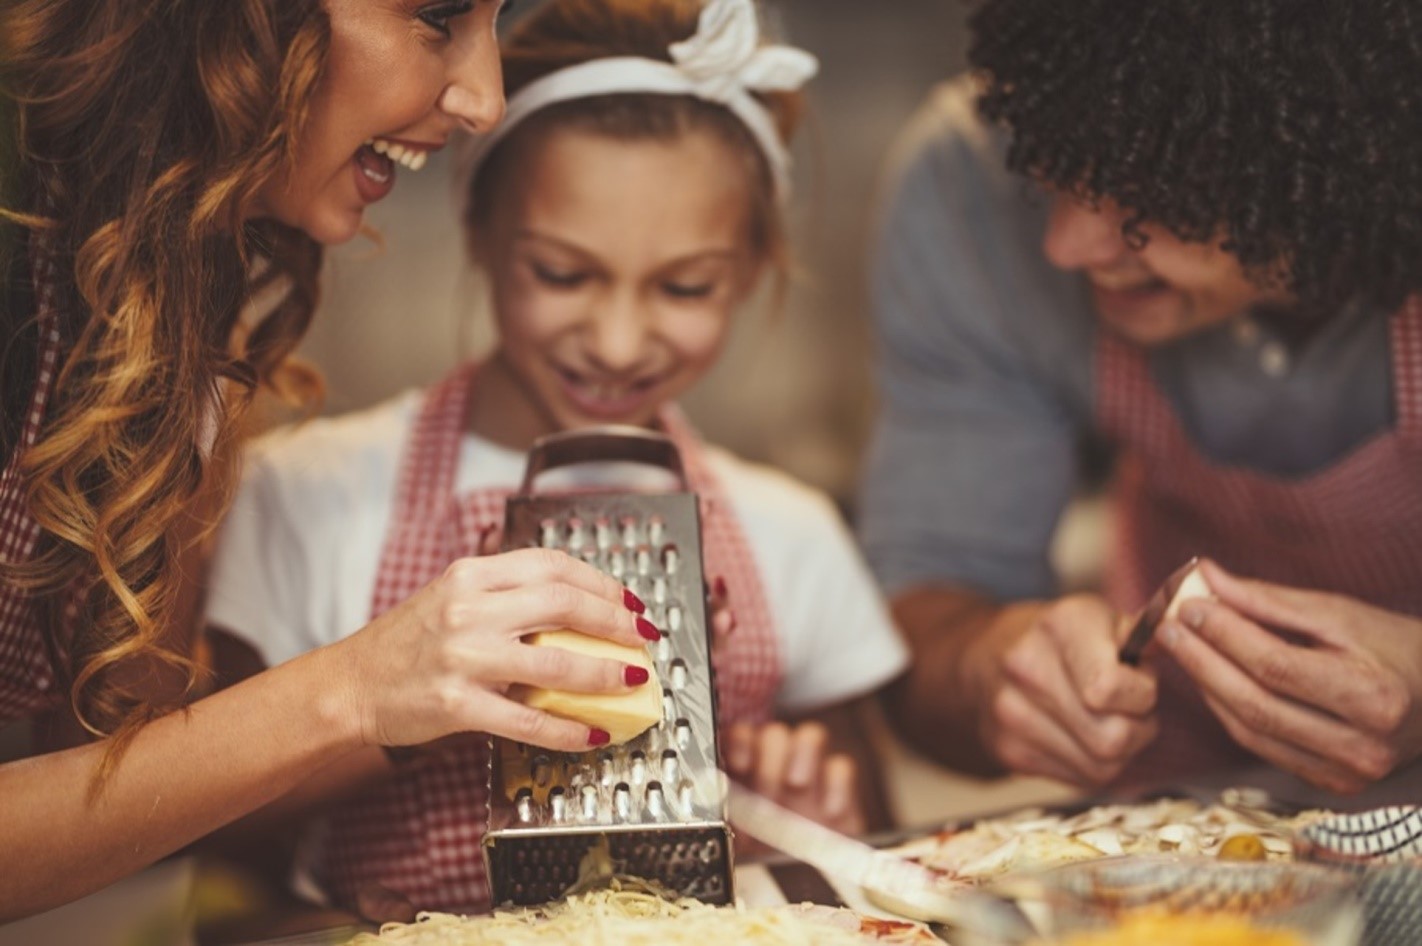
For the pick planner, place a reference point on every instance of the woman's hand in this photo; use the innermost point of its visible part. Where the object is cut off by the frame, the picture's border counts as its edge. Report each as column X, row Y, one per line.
column 442, row 662
column 1321, row 685
column 792, row 765
column 1053, row 697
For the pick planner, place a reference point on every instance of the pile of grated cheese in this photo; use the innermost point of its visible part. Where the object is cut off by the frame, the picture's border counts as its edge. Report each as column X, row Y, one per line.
column 624, row 916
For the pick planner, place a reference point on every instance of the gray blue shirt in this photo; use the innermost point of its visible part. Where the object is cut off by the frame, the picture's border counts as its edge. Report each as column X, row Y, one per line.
column 986, row 358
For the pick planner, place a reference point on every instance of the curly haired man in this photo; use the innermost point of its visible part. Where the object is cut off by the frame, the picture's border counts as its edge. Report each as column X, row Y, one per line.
column 1190, row 231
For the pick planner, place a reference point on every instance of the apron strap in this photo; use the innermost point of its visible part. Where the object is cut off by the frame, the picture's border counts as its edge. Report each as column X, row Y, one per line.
column 416, row 543
column 27, row 657
column 1406, row 330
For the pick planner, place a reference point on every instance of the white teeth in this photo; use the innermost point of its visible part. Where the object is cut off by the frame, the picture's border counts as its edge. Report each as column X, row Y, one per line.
column 412, row 158
column 602, row 392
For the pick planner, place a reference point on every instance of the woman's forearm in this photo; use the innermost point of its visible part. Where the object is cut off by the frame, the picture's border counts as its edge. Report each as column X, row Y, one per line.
column 434, row 665
column 183, row 776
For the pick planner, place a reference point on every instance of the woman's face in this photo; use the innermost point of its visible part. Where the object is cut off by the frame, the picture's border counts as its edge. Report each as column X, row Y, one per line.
column 400, row 76
column 616, row 268
column 1161, row 292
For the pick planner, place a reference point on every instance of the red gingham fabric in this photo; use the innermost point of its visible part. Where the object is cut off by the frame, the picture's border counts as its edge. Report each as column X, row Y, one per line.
column 1354, row 528
column 26, row 677
column 420, row 833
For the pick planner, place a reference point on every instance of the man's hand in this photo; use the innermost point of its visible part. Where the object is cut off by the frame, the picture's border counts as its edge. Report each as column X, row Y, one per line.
column 1321, row 685
column 1054, row 698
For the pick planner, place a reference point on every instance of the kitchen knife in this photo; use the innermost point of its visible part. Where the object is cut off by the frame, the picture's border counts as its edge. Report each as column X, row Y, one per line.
column 1154, row 614
column 967, row 909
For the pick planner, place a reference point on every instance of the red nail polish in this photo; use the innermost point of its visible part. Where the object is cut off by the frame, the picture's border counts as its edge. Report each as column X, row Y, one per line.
column 598, row 737
column 635, row 676
column 718, row 588
column 633, row 603
column 648, row 630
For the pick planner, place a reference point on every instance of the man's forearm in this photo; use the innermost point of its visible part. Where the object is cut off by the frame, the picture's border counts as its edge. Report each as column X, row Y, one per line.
column 937, row 706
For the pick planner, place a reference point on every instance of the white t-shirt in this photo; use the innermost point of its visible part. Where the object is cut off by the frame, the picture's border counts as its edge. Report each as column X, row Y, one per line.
column 297, row 556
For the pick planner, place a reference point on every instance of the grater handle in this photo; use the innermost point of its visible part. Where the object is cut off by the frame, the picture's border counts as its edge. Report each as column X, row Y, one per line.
column 610, row 443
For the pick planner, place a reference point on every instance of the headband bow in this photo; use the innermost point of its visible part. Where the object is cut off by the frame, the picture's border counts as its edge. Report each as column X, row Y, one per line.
column 725, row 56
column 723, row 63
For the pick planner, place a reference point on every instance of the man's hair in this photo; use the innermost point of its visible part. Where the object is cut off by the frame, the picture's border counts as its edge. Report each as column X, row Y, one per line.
column 1290, row 132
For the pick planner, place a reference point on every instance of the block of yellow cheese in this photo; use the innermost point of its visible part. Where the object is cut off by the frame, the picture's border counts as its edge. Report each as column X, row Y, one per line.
column 623, row 715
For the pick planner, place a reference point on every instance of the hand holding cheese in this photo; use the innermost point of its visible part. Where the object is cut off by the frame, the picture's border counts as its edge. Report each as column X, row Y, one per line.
column 623, row 716
column 444, row 660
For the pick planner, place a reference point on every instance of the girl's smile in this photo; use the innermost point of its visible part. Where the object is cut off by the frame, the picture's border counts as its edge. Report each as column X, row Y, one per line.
column 616, row 267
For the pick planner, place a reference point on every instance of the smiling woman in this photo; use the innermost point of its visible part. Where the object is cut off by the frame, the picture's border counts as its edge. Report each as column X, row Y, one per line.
column 400, row 76
column 178, row 165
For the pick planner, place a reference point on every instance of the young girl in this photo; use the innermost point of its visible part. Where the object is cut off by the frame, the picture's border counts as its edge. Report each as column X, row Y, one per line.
column 631, row 208
column 167, row 168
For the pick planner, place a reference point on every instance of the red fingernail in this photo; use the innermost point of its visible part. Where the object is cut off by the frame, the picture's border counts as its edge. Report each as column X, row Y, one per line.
column 648, row 630
column 635, row 676
column 718, row 587
column 598, row 737
column 633, row 603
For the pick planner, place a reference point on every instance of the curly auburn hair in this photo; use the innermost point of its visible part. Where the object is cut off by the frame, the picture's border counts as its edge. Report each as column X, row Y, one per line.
column 572, row 32
column 1290, row 133
column 142, row 131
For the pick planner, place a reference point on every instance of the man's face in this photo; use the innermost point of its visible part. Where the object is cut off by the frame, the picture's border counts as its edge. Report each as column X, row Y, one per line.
column 1154, row 295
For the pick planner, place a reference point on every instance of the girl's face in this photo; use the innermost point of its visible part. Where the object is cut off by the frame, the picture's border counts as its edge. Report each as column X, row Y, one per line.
column 400, row 76
column 1161, row 292
column 616, row 267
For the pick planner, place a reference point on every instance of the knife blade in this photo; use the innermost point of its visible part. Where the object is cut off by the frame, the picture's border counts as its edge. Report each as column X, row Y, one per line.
column 1153, row 614
column 853, row 860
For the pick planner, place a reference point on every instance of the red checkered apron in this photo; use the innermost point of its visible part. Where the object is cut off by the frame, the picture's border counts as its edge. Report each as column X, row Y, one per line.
column 1354, row 528
column 419, row 834
column 27, row 683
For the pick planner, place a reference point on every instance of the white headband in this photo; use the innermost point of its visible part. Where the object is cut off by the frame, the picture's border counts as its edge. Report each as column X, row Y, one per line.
column 723, row 63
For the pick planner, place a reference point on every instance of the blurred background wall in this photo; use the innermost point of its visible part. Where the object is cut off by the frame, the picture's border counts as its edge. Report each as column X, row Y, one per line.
column 795, row 388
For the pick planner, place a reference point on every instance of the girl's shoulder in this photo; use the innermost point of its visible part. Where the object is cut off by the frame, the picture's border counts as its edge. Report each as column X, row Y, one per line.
column 325, row 447
column 325, row 468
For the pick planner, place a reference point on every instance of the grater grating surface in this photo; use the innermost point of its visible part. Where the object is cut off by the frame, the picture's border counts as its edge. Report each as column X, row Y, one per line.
column 656, row 802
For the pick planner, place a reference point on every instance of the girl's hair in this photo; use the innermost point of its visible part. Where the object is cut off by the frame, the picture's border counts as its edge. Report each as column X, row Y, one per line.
column 142, row 133
column 571, row 32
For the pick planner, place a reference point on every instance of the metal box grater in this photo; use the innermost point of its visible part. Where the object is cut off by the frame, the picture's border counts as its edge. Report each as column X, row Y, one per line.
column 656, row 802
